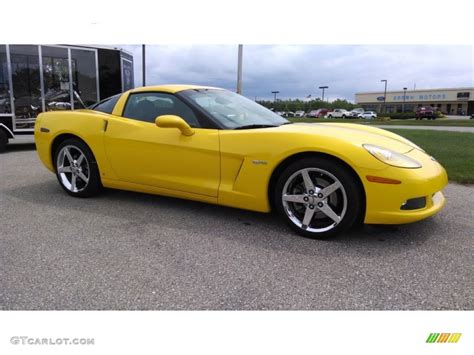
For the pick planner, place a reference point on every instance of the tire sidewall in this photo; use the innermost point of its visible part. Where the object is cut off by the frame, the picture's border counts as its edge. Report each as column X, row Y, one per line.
column 347, row 179
column 94, row 185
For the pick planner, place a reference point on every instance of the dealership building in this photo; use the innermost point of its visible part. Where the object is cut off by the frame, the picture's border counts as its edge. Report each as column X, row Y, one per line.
column 40, row 78
column 451, row 101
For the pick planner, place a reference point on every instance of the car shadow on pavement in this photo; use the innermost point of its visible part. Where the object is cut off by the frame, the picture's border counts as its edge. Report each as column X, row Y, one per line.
column 19, row 147
column 130, row 211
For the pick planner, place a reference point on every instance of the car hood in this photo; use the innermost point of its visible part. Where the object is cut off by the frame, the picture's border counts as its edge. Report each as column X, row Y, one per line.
column 356, row 133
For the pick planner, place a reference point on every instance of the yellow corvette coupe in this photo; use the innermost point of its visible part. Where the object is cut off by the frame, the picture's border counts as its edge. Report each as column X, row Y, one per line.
column 211, row 145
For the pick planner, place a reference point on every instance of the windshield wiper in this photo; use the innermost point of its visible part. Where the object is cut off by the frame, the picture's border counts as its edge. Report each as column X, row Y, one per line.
column 255, row 126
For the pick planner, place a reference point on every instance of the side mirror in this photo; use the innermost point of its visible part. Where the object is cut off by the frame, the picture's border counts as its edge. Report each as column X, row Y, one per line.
column 172, row 121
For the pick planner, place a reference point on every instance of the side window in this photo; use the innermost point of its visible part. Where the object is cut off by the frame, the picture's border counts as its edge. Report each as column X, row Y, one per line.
column 107, row 105
column 147, row 106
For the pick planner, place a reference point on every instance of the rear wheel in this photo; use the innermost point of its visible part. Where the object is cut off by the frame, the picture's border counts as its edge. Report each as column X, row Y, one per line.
column 318, row 197
column 76, row 169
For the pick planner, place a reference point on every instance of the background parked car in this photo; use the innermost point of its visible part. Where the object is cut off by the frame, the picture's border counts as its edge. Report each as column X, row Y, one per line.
column 299, row 114
column 425, row 112
column 289, row 114
column 339, row 113
column 356, row 112
column 318, row 113
column 369, row 115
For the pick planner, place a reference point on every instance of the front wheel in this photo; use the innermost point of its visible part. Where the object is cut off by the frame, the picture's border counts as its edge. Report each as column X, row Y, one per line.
column 318, row 197
column 76, row 169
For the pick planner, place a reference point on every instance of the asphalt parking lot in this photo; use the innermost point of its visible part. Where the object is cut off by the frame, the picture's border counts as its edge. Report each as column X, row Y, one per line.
column 126, row 250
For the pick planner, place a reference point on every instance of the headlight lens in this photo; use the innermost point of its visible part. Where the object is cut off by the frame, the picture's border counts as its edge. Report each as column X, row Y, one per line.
column 390, row 157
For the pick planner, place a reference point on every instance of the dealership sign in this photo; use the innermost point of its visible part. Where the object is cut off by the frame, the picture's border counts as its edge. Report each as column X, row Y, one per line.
column 420, row 97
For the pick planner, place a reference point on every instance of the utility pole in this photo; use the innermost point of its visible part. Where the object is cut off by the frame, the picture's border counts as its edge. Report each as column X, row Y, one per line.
column 239, row 70
column 275, row 95
column 404, row 98
column 323, row 88
column 143, row 66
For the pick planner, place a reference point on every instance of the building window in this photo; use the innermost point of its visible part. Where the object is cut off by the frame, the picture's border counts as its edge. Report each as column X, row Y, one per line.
column 463, row 95
column 409, row 107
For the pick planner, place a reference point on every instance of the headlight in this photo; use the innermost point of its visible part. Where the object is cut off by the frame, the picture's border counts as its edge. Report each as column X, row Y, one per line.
column 390, row 157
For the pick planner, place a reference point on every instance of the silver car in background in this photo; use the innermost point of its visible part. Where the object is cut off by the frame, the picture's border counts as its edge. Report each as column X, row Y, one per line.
column 368, row 115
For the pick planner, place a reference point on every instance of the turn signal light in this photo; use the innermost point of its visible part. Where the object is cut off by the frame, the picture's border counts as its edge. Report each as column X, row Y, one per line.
column 383, row 180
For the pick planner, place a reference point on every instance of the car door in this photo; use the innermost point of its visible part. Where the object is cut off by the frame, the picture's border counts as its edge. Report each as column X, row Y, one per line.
column 142, row 153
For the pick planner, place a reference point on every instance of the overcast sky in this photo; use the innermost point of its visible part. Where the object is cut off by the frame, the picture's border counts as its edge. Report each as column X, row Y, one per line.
column 297, row 71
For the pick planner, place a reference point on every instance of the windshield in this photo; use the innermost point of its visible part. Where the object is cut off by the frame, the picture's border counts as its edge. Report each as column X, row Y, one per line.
column 233, row 110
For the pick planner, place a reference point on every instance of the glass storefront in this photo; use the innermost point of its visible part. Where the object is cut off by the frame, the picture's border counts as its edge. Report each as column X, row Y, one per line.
column 37, row 78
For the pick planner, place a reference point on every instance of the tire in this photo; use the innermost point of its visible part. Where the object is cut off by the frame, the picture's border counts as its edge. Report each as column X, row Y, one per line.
column 329, row 116
column 76, row 169
column 344, row 204
column 343, row 116
column 3, row 140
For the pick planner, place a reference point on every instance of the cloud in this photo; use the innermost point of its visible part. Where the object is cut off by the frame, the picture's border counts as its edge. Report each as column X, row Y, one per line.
column 297, row 71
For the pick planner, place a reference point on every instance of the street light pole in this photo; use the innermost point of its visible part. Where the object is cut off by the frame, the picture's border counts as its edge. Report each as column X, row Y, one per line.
column 239, row 70
column 275, row 95
column 143, row 66
column 404, row 98
column 323, row 88
column 384, row 96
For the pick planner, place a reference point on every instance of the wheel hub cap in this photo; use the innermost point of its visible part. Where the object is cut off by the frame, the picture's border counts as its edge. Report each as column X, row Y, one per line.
column 73, row 168
column 314, row 200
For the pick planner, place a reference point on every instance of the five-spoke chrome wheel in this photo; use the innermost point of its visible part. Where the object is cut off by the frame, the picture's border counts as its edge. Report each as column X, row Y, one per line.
column 73, row 168
column 314, row 200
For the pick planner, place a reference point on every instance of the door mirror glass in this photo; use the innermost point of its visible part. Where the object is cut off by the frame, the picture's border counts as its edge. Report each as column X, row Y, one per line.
column 173, row 121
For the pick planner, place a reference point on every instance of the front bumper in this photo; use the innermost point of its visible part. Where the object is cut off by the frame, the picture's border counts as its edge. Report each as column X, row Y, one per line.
column 384, row 201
